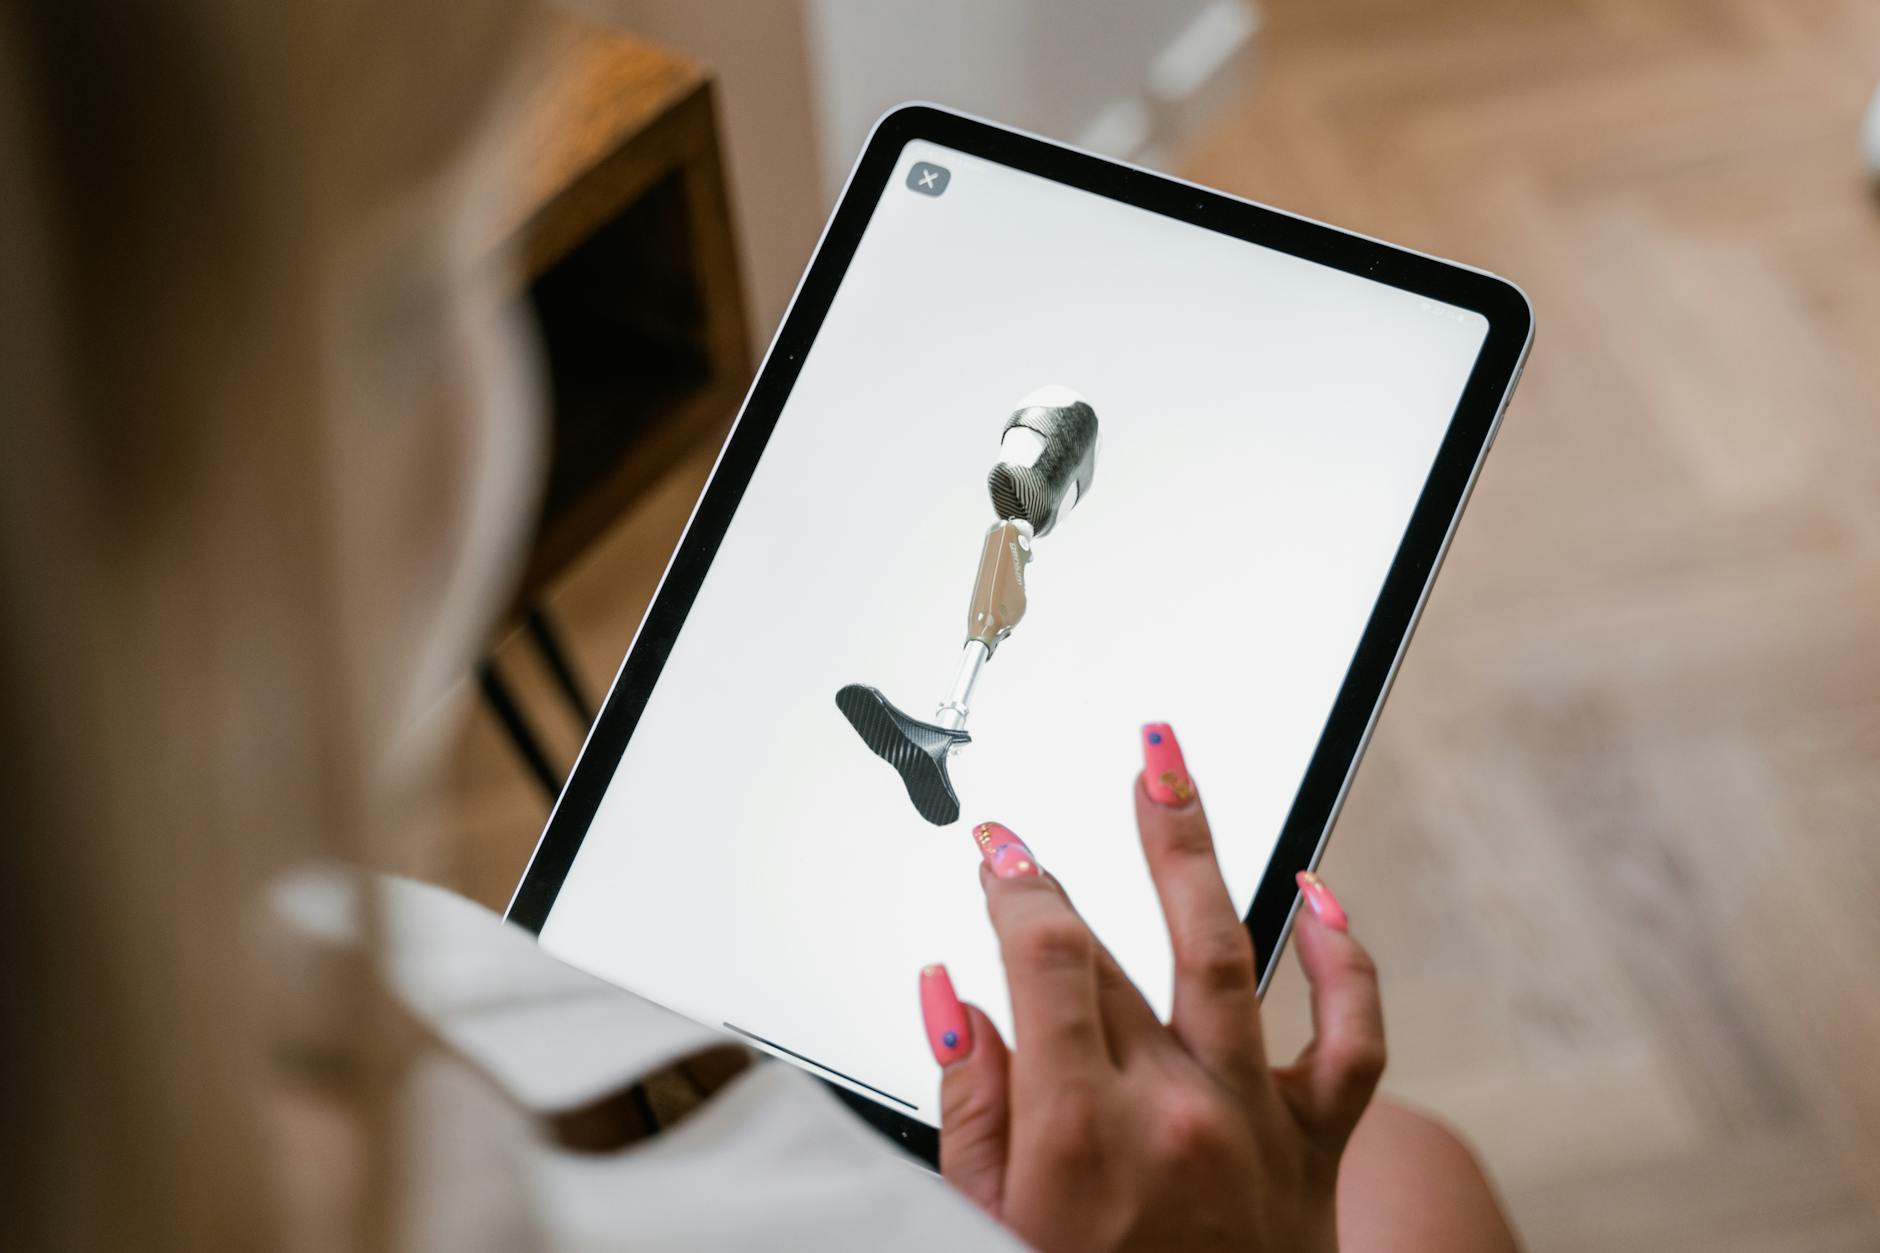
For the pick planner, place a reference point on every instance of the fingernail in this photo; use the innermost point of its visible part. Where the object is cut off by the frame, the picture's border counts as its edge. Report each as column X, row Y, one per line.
column 1164, row 772
column 947, row 1032
column 1321, row 902
column 1004, row 851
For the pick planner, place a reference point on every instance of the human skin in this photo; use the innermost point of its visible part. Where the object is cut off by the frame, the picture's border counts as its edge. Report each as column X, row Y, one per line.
column 1108, row 1129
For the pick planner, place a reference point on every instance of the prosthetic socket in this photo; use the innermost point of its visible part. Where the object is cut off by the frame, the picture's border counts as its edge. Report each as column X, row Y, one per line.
column 1048, row 454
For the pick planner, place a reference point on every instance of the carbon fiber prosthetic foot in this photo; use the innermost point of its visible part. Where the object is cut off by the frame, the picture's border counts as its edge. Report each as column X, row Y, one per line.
column 1048, row 455
column 917, row 750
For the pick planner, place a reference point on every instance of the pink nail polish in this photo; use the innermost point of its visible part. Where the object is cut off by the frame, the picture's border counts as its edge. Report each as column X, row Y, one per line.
column 1321, row 902
column 1164, row 773
column 1004, row 851
column 947, row 1032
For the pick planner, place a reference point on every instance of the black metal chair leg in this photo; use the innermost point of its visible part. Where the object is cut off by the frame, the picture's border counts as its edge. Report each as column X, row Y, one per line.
column 548, row 643
column 496, row 694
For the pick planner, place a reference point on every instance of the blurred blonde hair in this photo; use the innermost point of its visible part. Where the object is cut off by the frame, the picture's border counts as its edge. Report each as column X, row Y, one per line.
column 186, row 701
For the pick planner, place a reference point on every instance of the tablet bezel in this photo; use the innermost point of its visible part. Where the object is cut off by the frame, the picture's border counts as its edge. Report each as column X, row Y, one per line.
column 1386, row 635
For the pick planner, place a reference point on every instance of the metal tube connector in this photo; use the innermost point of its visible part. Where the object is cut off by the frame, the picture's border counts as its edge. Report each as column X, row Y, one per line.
column 952, row 715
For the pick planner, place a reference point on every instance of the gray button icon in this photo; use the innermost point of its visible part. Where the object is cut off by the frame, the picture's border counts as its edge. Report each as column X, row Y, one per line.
column 928, row 180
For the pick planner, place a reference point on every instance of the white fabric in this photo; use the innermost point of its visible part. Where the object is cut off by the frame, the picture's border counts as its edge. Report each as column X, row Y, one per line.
column 550, row 1036
column 772, row 1161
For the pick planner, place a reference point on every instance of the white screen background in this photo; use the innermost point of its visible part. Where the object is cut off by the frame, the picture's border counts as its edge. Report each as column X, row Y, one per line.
column 1267, row 426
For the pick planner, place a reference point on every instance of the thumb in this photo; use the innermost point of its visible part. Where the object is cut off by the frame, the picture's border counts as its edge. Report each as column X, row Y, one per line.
column 974, row 1113
column 1332, row 1081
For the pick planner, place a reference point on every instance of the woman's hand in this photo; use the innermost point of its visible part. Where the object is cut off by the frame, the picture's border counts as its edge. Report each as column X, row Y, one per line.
column 1106, row 1129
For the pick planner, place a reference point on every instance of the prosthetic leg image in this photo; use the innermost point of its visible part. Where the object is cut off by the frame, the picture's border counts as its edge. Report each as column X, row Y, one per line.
column 1048, row 454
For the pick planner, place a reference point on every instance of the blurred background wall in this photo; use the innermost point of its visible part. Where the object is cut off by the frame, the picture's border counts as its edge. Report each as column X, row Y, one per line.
column 802, row 81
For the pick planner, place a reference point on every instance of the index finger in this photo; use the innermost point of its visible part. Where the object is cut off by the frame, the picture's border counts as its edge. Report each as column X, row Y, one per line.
column 1050, row 962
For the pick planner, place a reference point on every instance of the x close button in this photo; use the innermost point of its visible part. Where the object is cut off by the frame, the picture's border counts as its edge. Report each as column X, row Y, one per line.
column 928, row 180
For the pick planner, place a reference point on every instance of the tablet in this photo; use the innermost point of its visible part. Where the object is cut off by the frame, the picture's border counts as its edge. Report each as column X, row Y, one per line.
column 1047, row 447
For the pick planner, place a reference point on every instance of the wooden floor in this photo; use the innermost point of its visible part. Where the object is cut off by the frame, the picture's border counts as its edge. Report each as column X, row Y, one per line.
column 1617, row 841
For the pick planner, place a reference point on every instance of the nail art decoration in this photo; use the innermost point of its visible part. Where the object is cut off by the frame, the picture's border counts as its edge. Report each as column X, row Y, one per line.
column 947, row 1031
column 1321, row 902
column 1004, row 851
column 1164, row 773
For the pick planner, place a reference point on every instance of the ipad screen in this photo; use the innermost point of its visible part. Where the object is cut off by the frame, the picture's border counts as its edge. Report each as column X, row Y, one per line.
column 1210, row 452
